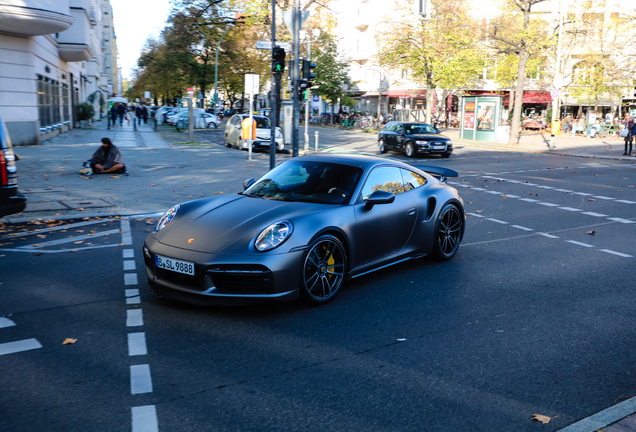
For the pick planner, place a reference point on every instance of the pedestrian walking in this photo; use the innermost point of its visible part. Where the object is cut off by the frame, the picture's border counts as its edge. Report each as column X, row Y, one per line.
column 113, row 114
column 138, row 114
column 629, row 136
column 144, row 114
column 121, row 111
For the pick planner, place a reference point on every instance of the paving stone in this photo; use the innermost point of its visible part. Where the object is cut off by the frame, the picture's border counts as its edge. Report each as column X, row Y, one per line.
column 41, row 206
column 87, row 203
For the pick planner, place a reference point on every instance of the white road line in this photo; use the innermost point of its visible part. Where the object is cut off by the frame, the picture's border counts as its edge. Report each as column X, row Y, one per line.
column 528, row 200
column 130, row 278
column 547, row 204
column 44, row 251
column 603, row 197
column 57, row 228
column 144, row 419
column 68, row 240
column 133, row 300
column 494, row 192
column 476, row 215
column 594, row 214
column 570, row 209
column 478, row 189
column 582, row 194
column 579, row 243
column 132, row 292
column 626, row 201
column 129, row 265
column 6, row 322
column 140, row 381
column 134, row 318
column 129, row 253
column 126, row 237
column 621, row 220
column 549, row 235
column 616, row 253
column 522, row 227
column 19, row 346
column 498, row 221
column 547, row 187
column 137, row 344
column 512, row 196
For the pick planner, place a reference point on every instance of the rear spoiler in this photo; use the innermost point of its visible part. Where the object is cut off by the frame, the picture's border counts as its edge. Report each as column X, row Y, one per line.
column 438, row 172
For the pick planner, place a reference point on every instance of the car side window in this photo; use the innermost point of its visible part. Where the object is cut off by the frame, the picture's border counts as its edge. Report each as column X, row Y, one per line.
column 387, row 179
column 412, row 180
column 388, row 127
column 399, row 129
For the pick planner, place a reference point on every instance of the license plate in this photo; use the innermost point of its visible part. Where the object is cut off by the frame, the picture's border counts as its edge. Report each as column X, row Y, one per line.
column 174, row 265
column 439, row 147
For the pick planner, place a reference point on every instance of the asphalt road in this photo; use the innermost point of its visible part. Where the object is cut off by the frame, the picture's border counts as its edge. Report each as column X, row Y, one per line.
column 533, row 316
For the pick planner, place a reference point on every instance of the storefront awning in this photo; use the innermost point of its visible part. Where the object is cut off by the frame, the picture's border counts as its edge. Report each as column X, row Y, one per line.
column 529, row 97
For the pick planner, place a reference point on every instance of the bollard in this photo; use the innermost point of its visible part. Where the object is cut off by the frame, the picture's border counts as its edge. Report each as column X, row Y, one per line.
column 249, row 151
column 134, row 120
column 108, row 122
column 306, row 142
column 316, row 147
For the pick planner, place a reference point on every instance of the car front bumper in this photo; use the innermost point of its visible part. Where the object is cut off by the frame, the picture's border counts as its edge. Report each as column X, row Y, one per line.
column 11, row 201
column 233, row 279
column 434, row 149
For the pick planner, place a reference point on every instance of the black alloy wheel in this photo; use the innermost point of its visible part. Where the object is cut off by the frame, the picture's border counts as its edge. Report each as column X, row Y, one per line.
column 410, row 150
column 448, row 233
column 324, row 270
column 382, row 145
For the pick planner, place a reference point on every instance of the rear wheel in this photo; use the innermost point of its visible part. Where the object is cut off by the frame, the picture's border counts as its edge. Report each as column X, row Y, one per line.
column 324, row 270
column 448, row 233
column 382, row 145
column 410, row 150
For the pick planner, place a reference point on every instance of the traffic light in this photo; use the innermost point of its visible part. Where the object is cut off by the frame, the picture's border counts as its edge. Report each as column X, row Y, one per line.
column 278, row 61
column 307, row 74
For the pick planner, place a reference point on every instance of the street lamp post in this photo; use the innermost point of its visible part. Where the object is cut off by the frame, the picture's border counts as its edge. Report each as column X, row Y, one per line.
column 307, row 101
column 216, row 71
column 379, row 92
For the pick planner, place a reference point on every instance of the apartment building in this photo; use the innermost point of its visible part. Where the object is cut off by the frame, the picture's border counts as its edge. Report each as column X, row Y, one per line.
column 54, row 54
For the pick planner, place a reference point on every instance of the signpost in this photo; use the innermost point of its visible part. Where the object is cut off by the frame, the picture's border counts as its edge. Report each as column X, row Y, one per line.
column 251, row 87
column 190, row 115
column 261, row 44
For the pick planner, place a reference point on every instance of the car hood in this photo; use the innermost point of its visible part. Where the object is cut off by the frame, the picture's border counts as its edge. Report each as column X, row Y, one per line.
column 427, row 137
column 227, row 224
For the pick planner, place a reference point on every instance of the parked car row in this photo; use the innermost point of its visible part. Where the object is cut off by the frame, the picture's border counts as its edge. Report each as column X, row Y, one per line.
column 11, row 201
column 262, row 140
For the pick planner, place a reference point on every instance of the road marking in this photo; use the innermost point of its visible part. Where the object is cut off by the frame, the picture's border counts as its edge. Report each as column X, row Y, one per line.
column 134, row 318
column 476, row 215
column 129, row 265
column 616, row 253
column 137, row 344
column 570, row 209
column 498, row 221
column 57, row 228
column 133, row 300
column 130, row 278
column 549, row 235
column 126, row 237
column 579, row 243
column 594, row 214
column 68, row 240
column 582, row 194
column 528, row 200
column 512, row 196
column 129, row 253
column 603, row 418
column 621, row 220
column 603, row 197
column 547, row 204
column 140, row 381
column 6, row 322
column 522, row 227
column 132, row 292
column 144, row 419
column 626, row 201
column 494, row 192
column 19, row 346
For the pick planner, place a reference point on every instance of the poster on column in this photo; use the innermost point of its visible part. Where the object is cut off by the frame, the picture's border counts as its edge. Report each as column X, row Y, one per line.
column 469, row 115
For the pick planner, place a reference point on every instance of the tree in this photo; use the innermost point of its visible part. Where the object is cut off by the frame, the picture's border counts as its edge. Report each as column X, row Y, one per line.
column 514, row 33
column 440, row 52
column 332, row 74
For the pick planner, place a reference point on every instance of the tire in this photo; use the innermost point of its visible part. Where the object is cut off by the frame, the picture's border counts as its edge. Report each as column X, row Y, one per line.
column 409, row 150
column 448, row 233
column 382, row 146
column 227, row 143
column 324, row 270
column 446, row 155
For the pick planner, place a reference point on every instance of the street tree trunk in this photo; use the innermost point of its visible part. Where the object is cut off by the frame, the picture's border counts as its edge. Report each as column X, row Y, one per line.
column 516, row 113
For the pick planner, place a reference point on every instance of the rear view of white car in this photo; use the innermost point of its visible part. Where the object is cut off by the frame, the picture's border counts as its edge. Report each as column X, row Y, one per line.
column 233, row 133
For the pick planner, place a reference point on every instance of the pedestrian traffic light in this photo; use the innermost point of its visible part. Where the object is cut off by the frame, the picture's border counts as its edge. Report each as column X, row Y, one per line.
column 278, row 61
column 307, row 74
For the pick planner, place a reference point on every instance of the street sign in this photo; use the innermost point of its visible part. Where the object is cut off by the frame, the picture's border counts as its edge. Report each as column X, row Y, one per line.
column 251, row 83
column 555, row 93
column 261, row 44
column 190, row 92
column 288, row 17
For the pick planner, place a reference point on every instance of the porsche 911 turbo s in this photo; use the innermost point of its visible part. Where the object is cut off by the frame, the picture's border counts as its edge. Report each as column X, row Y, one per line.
column 302, row 230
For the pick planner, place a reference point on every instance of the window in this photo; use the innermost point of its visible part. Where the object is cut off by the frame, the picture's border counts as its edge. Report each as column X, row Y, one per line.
column 48, row 102
column 399, row 129
column 387, row 179
column 412, row 180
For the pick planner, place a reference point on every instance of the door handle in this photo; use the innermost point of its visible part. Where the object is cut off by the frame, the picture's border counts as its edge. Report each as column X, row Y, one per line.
column 410, row 211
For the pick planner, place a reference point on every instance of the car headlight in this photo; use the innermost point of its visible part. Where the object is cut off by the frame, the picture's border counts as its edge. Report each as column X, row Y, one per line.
column 273, row 236
column 167, row 217
column 421, row 142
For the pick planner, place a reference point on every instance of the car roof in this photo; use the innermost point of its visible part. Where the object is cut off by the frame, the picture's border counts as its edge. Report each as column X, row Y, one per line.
column 353, row 160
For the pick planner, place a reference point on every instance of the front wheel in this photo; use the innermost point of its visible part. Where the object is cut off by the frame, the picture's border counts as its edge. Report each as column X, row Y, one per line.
column 324, row 270
column 410, row 150
column 382, row 146
column 446, row 155
column 448, row 233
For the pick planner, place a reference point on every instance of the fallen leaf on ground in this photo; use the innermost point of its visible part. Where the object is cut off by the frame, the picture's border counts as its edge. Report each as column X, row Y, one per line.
column 591, row 199
column 479, row 211
column 591, row 232
column 114, row 176
column 190, row 240
column 505, row 196
column 68, row 341
column 543, row 419
column 469, row 202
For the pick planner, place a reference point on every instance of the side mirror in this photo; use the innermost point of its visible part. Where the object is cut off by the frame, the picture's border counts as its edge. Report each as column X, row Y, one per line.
column 438, row 131
column 247, row 183
column 379, row 197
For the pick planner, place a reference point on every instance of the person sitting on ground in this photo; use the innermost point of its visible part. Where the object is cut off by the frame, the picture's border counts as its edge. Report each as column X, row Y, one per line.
column 107, row 159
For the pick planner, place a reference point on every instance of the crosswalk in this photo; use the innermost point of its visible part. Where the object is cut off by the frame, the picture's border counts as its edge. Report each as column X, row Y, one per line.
column 16, row 346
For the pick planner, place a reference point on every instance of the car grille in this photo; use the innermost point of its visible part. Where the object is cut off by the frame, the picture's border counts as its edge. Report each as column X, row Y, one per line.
column 194, row 282
column 242, row 280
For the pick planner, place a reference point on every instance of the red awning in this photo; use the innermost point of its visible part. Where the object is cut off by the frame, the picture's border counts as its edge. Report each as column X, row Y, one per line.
column 529, row 97
column 405, row 93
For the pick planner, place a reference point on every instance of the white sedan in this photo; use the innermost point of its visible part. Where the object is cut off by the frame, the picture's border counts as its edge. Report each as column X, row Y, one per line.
column 233, row 133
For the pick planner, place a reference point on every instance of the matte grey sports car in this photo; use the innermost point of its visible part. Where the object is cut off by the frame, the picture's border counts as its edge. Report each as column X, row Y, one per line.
column 303, row 229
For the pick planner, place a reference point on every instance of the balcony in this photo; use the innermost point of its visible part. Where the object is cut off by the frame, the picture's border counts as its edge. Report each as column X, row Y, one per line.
column 74, row 43
column 34, row 17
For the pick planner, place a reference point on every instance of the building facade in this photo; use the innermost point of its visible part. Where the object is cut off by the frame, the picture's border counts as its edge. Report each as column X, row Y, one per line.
column 54, row 54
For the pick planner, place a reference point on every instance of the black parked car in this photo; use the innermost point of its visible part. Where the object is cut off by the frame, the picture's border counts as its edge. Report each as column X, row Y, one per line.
column 413, row 139
column 10, row 200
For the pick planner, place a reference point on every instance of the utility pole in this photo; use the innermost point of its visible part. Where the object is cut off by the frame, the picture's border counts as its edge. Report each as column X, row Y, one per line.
column 295, row 76
column 274, row 96
column 557, row 78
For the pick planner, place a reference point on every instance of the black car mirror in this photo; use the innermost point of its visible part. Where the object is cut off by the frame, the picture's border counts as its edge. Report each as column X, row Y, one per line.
column 247, row 183
column 379, row 197
column 438, row 131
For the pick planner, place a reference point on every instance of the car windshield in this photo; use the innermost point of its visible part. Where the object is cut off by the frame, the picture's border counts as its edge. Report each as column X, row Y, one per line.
column 416, row 129
column 308, row 181
column 261, row 122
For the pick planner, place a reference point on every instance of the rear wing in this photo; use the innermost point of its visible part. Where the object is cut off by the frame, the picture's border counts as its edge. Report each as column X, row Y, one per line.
column 438, row 172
